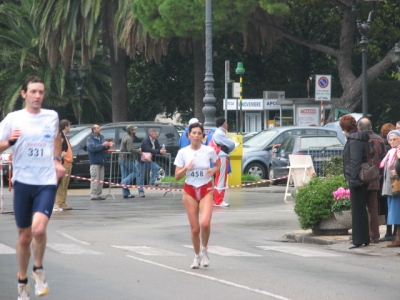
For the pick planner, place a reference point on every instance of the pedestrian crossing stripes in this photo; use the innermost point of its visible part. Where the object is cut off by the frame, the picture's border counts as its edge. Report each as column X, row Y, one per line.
column 218, row 250
column 4, row 249
column 145, row 250
column 298, row 251
column 72, row 249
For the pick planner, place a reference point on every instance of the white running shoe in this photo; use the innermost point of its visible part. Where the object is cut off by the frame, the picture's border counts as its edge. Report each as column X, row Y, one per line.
column 205, row 261
column 222, row 204
column 23, row 291
column 41, row 286
column 57, row 208
column 196, row 262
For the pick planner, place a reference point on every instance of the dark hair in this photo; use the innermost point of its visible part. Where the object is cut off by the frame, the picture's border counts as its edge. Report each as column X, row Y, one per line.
column 64, row 123
column 386, row 128
column 31, row 79
column 348, row 123
column 196, row 125
column 220, row 121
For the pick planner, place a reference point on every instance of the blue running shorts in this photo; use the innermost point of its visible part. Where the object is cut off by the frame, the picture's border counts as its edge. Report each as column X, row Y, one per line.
column 29, row 199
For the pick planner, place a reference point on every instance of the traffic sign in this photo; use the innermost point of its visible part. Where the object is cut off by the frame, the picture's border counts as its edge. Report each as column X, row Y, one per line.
column 323, row 85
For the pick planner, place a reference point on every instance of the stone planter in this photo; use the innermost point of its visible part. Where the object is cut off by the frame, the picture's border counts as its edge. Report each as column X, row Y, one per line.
column 330, row 226
column 344, row 218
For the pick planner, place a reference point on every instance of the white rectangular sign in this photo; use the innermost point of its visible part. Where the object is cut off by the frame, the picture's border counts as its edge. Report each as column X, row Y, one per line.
column 236, row 90
column 323, row 84
column 247, row 104
column 307, row 116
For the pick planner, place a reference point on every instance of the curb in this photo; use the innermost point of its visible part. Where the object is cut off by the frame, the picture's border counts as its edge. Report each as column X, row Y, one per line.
column 310, row 239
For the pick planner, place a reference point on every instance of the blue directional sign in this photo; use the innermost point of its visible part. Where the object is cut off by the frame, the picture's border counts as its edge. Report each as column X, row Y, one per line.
column 323, row 87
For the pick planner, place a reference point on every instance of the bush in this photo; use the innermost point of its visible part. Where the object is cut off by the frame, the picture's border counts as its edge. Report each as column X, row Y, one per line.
column 314, row 200
column 334, row 167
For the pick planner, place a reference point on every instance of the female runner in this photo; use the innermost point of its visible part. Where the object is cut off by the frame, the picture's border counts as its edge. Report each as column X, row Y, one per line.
column 194, row 162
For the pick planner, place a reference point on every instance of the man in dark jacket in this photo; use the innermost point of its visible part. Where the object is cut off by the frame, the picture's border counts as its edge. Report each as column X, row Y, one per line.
column 377, row 153
column 97, row 147
column 150, row 144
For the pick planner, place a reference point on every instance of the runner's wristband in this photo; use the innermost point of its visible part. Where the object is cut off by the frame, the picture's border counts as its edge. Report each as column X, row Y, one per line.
column 12, row 143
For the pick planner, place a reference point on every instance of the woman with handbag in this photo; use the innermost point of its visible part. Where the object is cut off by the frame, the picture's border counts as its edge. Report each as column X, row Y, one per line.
column 389, row 163
column 354, row 154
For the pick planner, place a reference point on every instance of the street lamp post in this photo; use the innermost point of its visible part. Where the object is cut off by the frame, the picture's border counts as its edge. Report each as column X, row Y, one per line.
column 395, row 56
column 364, row 28
column 240, row 71
column 209, row 99
column 79, row 75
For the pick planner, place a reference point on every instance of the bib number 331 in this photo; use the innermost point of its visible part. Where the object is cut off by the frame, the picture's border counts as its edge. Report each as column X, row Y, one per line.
column 37, row 154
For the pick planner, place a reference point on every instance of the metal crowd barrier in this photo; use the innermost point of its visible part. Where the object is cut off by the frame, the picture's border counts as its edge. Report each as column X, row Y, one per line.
column 320, row 155
column 135, row 165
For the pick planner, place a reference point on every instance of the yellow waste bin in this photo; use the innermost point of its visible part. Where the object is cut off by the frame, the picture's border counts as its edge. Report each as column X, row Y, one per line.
column 235, row 177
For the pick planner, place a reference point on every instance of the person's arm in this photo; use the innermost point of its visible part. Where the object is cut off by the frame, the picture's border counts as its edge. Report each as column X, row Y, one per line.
column 60, row 170
column 92, row 147
column 12, row 138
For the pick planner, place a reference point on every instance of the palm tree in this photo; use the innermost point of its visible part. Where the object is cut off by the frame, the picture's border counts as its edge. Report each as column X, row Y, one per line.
column 20, row 57
column 92, row 22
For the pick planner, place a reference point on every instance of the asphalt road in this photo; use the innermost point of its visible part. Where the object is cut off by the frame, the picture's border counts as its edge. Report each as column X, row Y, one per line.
column 140, row 249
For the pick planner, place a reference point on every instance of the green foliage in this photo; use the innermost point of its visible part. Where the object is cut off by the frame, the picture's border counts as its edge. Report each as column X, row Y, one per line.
column 334, row 167
column 249, row 177
column 314, row 200
column 341, row 205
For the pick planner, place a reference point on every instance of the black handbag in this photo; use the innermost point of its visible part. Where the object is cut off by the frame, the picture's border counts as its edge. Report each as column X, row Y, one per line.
column 369, row 172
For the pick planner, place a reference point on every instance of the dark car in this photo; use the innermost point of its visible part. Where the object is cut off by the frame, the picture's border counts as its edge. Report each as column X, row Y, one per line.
column 257, row 150
column 321, row 148
column 167, row 135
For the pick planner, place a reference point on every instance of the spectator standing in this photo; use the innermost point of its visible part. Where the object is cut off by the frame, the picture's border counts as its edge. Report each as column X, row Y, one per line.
column 97, row 147
column 37, row 167
column 354, row 154
column 184, row 139
column 393, row 203
column 398, row 125
column 390, row 235
column 222, row 145
column 150, row 144
column 194, row 163
column 128, row 163
column 66, row 154
column 378, row 152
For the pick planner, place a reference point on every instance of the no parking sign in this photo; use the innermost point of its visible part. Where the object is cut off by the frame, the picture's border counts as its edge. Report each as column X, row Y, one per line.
column 323, row 87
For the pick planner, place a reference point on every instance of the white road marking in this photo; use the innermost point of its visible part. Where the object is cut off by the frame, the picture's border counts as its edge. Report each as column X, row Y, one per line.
column 73, row 239
column 218, row 250
column 297, row 251
column 72, row 249
column 211, row 278
column 4, row 249
column 145, row 250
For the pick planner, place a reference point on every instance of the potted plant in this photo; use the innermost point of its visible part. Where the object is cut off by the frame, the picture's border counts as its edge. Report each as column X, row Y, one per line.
column 314, row 202
column 341, row 207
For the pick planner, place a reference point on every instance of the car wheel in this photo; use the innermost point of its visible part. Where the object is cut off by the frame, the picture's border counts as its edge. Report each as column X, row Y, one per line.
column 257, row 170
column 162, row 172
column 272, row 176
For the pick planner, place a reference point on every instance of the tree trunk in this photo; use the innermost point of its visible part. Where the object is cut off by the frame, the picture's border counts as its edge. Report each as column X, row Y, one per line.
column 119, row 80
column 199, row 74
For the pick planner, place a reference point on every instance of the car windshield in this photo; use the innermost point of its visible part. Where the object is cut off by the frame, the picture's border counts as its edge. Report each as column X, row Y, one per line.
column 319, row 142
column 77, row 138
column 260, row 139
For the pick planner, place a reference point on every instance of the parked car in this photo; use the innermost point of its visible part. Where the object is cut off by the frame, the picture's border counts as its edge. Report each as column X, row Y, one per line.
column 180, row 129
column 248, row 136
column 321, row 148
column 167, row 135
column 75, row 129
column 257, row 150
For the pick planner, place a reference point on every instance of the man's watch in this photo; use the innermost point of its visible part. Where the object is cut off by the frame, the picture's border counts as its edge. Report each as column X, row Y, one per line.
column 58, row 158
